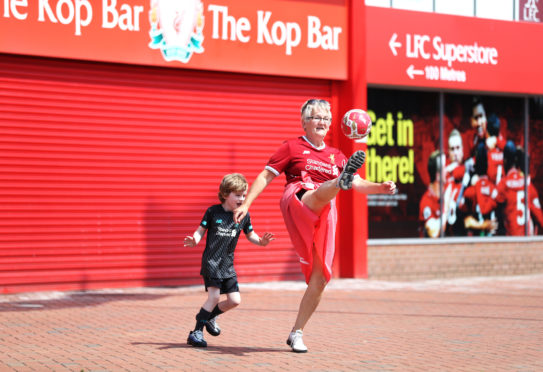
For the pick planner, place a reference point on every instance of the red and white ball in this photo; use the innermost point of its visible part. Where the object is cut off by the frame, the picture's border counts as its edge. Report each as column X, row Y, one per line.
column 356, row 124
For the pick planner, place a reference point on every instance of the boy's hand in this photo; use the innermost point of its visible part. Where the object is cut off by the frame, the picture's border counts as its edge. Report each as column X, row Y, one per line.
column 190, row 241
column 266, row 239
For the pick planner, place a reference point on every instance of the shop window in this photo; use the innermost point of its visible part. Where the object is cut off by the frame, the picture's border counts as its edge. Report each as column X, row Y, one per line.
column 462, row 174
column 405, row 132
column 495, row 9
column 420, row 5
column 381, row 3
column 458, row 7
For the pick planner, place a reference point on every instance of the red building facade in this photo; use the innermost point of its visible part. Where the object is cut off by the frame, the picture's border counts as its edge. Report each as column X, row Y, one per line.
column 117, row 127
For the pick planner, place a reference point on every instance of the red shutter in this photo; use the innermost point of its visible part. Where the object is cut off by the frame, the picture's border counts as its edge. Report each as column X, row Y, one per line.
column 106, row 168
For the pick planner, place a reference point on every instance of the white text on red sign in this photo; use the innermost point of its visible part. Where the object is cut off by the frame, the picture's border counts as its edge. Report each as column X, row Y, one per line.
column 277, row 32
column 426, row 47
column 115, row 14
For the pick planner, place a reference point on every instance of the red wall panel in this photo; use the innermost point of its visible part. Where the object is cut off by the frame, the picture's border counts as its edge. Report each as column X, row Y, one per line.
column 105, row 168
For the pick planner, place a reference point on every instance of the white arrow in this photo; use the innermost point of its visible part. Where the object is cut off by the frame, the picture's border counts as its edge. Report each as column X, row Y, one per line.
column 393, row 44
column 411, row 72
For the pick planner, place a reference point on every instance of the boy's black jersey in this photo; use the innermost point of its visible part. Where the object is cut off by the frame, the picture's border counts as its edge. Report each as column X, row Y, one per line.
column 222, row 238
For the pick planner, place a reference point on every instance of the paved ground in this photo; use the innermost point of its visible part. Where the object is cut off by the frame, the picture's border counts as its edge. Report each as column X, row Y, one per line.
column 484, row 324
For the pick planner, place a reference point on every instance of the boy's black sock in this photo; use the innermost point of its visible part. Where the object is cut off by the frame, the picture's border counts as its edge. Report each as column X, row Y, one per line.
column 216, row 311
column 201, row 319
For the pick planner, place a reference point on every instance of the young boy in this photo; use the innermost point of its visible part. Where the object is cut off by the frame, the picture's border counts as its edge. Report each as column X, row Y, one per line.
column 218, row 257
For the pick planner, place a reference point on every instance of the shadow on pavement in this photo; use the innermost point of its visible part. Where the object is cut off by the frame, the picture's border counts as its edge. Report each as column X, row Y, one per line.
column 230, row 350
column 399, row 314
column 79, row 299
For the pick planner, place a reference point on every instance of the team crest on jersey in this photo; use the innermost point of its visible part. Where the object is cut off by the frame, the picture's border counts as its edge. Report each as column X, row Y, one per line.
column 176, row 28
column 332, row 159
column 426, row 213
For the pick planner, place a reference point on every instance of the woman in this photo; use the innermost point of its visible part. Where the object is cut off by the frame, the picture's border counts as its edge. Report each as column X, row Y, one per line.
column 315, row 173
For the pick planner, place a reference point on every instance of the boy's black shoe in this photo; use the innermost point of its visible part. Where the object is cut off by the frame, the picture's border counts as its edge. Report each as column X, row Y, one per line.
column 196, row 338
column 345, row 180
column 212, row 327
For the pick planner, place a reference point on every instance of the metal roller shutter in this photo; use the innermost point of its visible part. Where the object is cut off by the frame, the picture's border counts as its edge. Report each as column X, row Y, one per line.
column 106, row 168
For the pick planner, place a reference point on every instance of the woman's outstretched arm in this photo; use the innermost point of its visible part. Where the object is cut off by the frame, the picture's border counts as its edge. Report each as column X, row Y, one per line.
column 367, row 187
column 260, row 183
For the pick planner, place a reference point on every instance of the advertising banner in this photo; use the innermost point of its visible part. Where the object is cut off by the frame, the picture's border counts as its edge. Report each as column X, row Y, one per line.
column 405, row 131
column 480, row 141
column 476, row 185
column 535, row 143
column 293, row 38
column 406, row 48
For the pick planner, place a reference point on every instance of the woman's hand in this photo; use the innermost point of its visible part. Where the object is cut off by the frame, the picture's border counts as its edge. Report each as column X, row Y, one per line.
column 240, row 213
column 389, row 187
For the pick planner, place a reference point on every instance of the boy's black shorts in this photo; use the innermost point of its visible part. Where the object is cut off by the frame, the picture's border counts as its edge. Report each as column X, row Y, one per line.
column 228, row 285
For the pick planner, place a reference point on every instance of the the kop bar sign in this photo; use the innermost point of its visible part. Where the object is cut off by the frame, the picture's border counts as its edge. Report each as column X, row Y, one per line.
column 261, row 36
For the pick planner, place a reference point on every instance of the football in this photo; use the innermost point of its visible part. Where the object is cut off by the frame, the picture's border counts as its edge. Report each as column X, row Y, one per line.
column 356, row 124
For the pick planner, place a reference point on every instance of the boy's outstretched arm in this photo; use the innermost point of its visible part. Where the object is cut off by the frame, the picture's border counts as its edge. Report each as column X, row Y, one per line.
column 192, row 241
column 264, row 241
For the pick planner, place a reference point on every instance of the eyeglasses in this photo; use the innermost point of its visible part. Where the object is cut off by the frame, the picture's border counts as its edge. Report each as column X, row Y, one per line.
column 318, row 118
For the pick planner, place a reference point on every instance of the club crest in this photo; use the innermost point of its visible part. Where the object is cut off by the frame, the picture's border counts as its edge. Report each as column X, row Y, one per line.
column 176, row 28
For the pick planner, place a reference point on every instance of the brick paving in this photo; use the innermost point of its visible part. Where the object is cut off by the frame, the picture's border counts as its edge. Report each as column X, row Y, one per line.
column 479, row 324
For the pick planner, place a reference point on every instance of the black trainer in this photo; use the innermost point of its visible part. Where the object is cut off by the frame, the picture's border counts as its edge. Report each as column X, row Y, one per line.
column 212, row 327
column 345, row 180
column 196, row 338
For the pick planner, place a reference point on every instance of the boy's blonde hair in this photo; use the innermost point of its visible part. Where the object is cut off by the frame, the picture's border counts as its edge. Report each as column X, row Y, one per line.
column 233, row 182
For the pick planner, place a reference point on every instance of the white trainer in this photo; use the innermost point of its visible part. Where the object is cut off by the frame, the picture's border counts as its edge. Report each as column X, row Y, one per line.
column 296, row 343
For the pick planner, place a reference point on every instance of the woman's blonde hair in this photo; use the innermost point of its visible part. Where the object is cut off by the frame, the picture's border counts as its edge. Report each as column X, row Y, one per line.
column 310, row 104
column 233, row 182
